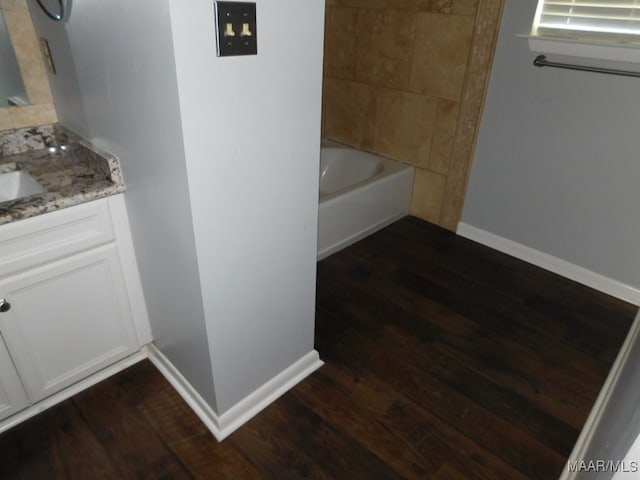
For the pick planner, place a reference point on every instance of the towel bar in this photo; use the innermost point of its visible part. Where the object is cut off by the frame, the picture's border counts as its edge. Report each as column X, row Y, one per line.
column 541, row 61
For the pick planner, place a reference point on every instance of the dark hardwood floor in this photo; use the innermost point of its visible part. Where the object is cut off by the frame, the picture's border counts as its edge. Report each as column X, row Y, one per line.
column 444, row 360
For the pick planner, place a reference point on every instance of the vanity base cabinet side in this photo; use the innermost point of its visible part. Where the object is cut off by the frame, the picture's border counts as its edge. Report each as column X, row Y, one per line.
column 13, row 397
column 131, row 275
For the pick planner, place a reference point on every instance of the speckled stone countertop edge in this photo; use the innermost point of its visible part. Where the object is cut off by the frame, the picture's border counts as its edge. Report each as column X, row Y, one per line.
column 72, row 169
column 60, row 203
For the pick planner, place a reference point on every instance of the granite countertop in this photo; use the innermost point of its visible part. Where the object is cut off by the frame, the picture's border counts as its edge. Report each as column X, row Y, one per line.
column 71, row 170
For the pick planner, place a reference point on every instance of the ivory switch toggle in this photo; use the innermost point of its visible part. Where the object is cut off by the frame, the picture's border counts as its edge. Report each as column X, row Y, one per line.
column 246, row 32
column 228, row 31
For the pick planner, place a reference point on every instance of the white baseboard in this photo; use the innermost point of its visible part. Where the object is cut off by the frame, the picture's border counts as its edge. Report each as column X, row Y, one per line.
column 553, row 264
column 223, row 425
column 220, row 425
column 185, row 390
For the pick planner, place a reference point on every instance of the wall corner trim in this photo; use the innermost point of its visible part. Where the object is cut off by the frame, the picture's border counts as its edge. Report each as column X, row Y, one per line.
column 221, row 426
column 553, row 264
column 597, row 413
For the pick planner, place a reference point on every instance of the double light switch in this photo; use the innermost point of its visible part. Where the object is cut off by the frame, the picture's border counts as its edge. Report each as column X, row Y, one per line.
column 236, row 28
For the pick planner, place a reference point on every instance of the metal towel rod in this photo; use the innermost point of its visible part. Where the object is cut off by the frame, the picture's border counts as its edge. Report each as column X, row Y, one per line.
column 541, row 61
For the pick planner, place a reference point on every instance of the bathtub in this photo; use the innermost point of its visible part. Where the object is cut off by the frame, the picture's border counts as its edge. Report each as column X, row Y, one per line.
column 360, row 193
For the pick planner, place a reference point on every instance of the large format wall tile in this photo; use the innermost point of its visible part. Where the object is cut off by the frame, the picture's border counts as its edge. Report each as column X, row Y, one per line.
column 400, row 81
column 454, row 7
column 410, row 5
column 440, row 54
column 384, row 44
column 428, row 191
column 349, row 112
column 404, row 126
column 340, row 42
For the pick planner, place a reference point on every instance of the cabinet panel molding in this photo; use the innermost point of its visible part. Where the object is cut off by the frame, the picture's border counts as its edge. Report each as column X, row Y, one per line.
column 33, row 241
column 69, row 319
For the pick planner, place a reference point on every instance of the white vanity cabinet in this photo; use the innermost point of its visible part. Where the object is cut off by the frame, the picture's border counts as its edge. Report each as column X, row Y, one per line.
column 68, row 319
column 72, row 299
column 13, row 398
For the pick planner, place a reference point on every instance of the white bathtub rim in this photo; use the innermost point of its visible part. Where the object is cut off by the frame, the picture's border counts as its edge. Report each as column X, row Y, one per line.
column 363, row 207
column 327, row 143
column 386, row 174
column 340, row 171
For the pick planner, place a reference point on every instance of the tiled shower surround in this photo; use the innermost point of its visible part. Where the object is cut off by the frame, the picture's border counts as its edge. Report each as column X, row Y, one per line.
column 395, row 77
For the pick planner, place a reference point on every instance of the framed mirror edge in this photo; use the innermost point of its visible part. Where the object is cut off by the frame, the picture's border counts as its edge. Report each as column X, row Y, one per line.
column 41, row 110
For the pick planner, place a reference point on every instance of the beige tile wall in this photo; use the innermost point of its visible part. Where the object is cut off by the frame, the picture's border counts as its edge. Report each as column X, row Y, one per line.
column 395, row 74
column 23, row 35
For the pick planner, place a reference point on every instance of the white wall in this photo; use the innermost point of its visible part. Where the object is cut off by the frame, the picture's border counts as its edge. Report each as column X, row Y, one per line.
column 630, row 467
column 557, row 162
column 252, row 136
column 221, row 161
column 116, row 85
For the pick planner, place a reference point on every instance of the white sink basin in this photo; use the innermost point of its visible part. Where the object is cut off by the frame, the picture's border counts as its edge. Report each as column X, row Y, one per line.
column 18, row 184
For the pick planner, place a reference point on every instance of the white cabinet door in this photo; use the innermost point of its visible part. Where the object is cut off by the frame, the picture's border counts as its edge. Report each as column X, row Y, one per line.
column 12, row 396
column 68, row 319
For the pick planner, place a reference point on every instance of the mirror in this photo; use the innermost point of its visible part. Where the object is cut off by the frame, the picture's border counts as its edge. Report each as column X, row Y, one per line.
column 39, row 109
column 12, row 91
column 54, row 9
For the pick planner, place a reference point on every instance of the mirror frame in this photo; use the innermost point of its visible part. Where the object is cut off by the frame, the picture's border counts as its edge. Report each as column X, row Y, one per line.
column 56, row 17
column 41, row 110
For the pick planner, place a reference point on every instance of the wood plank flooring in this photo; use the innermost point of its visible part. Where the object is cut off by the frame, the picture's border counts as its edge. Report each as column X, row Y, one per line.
column 444, row 360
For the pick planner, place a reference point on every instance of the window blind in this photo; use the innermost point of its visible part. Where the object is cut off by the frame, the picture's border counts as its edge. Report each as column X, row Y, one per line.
column 609, row 20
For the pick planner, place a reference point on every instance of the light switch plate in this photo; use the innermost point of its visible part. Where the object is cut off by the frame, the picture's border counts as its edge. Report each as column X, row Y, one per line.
column 236, row 28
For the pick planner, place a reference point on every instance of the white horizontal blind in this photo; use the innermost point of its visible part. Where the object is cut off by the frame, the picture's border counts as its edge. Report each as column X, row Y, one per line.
column 608, row 20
